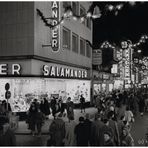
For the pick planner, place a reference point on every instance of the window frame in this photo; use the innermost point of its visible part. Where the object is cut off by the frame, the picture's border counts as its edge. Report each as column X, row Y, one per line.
column 69, row 38
column 84, row 50
column 88, row 55
column 77, row 40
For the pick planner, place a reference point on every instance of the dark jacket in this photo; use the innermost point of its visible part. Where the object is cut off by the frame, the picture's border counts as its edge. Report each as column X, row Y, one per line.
column 81, row 131
column 61, row 107
column 57, row 132
column 96, row 133
column 8, row 139
column 46, row 107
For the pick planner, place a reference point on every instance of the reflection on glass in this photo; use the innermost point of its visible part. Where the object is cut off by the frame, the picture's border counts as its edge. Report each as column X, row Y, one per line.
column 24, row 90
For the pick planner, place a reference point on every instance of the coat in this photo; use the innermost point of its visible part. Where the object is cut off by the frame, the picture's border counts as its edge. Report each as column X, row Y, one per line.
column 96, row 133
column 8, row 138
column 57, row 132
column 70, row 138
column 114, row 126
column 70, row 109
column 81, row 132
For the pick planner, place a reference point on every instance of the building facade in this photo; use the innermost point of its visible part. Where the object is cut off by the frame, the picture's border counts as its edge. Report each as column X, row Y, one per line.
column 38, row 61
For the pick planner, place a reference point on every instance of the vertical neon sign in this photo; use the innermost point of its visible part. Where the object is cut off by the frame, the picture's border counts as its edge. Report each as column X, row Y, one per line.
column 55, row 43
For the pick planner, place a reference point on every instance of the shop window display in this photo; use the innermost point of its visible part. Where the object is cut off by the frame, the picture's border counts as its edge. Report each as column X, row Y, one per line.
column 25, row 90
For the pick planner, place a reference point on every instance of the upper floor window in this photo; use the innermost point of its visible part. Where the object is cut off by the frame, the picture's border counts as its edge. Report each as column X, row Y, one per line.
column 88, row 50
column 75, row 42
column 66, row 38
column 75, row 8
column 82, row 46
column 66, row 4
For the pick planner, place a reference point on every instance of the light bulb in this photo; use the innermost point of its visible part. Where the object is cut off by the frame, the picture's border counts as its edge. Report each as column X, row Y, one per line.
column 110, row 7
column 89, row 14
column 74, row 18
column 82, row 19
column 119, row 7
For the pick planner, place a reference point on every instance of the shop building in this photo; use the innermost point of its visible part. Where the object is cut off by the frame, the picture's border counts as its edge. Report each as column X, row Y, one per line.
column 38, row 61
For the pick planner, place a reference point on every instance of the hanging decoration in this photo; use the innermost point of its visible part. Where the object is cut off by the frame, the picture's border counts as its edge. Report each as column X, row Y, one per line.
column 68, row 14
column 142, row 40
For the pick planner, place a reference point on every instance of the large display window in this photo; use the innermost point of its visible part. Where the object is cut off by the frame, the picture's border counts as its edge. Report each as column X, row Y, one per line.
column 25, row 90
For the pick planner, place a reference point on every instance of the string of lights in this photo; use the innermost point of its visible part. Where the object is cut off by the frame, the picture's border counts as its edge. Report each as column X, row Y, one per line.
column 69, row 14
column 142, row 40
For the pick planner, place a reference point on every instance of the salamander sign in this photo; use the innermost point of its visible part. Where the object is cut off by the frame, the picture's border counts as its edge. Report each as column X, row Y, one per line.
column 55, row 32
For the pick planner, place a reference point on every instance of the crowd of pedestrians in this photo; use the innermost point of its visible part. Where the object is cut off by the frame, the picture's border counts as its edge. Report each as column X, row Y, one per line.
column 111, row 125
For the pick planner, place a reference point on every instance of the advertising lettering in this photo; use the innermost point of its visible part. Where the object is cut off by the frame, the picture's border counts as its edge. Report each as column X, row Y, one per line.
column 127, row 63
column 55, row 31
column 55, row 71
column 15, row 69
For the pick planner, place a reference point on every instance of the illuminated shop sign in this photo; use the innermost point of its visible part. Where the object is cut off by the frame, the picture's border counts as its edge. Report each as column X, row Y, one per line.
column 14, row 69
column 127, row 63
column 63, row 72
column 55, row 31
column 47, row 70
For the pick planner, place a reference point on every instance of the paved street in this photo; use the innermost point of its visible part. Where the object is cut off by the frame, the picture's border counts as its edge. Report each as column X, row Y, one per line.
column 139, row 129
column 24, row 138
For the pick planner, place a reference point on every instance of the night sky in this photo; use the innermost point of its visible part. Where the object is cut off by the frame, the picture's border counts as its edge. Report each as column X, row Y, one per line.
column 130, row 23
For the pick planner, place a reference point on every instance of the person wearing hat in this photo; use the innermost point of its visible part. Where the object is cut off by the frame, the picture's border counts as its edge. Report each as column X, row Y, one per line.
column 57, row 130
column 108, row 141
column 126, row 139
column 70, row 138
column 105, row 128
column 70, row 108
column 81, row 131
column 97, row 124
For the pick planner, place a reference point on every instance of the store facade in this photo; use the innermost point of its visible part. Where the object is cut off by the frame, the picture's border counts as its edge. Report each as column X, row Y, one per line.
column 102, row 82
column 38, row 61
column 35, row 79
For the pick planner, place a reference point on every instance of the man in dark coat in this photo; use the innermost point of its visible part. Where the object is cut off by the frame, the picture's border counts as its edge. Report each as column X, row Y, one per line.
column 53, row 106
column 96, row 131
column 7, row 136
column 88, row 125
column 61, row 106
column 114, row 126
column 82, row 103
column 105, row 129
column 57, row 131
column 81, row 131
column 46, row 107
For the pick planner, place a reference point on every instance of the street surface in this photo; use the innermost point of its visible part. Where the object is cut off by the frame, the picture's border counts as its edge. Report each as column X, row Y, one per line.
column 24, row 138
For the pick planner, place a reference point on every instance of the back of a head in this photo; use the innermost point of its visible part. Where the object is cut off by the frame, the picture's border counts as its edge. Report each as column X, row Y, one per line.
column 81, row 119
column 127, row 108
column 105, row 121
column 110, row 114
column 97, row 116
